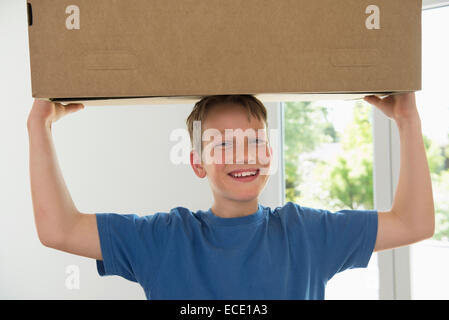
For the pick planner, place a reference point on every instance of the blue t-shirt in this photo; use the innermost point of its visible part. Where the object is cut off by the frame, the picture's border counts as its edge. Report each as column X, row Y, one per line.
column 286, row 253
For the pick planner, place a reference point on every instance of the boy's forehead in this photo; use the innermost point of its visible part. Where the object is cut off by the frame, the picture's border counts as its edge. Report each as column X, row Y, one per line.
column 231, row 117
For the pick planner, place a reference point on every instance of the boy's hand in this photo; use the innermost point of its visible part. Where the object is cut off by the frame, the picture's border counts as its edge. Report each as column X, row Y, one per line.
column 399, row 107
column 47, row 112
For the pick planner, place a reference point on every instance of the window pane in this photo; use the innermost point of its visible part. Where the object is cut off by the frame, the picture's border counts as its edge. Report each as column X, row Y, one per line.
column 430, row 258
column 328, row 154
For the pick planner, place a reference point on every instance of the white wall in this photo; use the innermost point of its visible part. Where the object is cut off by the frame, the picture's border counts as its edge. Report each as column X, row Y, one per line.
column 114, row 159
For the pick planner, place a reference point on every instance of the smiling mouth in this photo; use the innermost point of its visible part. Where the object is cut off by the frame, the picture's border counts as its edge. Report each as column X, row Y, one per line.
column 246, row 176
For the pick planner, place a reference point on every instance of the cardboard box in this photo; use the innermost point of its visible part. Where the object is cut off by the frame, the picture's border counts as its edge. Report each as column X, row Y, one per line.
column 172, row 51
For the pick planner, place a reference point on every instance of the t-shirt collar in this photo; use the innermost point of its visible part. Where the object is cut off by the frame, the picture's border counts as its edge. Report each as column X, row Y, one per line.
column 248, row 219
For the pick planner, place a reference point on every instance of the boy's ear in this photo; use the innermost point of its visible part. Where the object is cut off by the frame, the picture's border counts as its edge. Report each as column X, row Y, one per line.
column 196, row 164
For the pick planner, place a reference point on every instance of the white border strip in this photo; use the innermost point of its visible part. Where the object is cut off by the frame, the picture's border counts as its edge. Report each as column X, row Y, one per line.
column 432, row 4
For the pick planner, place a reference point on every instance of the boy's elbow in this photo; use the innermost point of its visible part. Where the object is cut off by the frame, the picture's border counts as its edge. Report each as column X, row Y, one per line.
column 48, row 239
column 51, row 229
column 45, row 242
column 49, row 242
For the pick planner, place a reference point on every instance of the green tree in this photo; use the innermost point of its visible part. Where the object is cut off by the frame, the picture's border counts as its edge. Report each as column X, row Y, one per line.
column 304, row 124
column 351, row 173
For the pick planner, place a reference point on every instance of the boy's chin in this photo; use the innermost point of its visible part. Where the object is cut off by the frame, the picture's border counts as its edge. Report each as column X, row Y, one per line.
column 245, row 196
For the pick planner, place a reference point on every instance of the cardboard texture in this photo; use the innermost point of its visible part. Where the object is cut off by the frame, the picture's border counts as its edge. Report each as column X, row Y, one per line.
column 169, row 51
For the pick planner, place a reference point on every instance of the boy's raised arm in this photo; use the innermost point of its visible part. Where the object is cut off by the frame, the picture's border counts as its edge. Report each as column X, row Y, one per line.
column 412, row 216
column 58, row 222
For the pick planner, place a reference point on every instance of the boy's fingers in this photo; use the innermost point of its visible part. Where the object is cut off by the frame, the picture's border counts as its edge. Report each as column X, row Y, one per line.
column 77, row 105
column 383, row 104
column 74, row 106
column 68, row 108
column 372, row 99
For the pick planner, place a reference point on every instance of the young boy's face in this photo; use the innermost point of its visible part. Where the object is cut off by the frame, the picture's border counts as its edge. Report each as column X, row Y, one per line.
column 221, row 175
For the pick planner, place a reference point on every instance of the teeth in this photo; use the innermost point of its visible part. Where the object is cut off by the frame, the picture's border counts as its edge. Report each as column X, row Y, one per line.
column 244, row 174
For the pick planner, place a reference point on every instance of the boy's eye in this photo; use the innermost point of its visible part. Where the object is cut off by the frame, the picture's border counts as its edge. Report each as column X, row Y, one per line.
column 229, row 143
column 259, row 141
column 225, row 144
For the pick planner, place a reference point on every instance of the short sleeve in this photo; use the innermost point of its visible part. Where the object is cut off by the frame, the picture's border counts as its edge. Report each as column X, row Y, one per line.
column 349, row 239
column 131, row 245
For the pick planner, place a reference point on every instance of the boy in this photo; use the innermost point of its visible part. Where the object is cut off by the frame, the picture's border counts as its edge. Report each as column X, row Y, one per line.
column 238, row 248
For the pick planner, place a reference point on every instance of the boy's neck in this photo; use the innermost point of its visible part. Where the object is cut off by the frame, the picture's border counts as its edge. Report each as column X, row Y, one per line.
column 232, row 209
